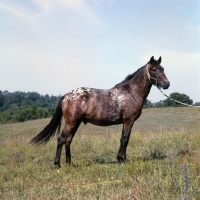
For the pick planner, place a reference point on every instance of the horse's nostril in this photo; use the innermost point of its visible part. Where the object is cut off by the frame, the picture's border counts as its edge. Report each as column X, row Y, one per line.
column 166, row 85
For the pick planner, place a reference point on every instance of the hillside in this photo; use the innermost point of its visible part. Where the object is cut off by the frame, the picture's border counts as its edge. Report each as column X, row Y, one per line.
column 163, row 160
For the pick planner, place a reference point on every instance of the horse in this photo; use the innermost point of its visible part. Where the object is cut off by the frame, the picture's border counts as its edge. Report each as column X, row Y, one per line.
column 122, row 104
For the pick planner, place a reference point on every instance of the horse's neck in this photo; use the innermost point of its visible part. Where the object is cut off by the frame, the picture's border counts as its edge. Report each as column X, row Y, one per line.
column 141, row 84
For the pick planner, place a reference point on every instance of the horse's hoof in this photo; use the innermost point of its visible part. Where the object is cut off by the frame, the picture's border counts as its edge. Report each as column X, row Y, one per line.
column 121, row 160
column 57, row 165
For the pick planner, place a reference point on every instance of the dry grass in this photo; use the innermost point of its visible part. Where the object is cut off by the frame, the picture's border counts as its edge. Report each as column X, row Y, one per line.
column 163, row 160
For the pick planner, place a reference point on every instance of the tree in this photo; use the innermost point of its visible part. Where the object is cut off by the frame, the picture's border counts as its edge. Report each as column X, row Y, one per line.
column 179, row 97
column 9, row 98
column 33, row 96
column 158, row 104
column 1, row 99
column 42, row 113
column 197, row 104
column 13, row 108
column 5, row 117
column 147, row 104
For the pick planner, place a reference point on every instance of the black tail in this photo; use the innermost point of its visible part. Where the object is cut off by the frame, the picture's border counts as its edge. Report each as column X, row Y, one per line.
column 49, row 131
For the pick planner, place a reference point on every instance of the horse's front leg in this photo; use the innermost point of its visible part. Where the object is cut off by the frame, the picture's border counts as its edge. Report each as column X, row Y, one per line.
column 126, row 131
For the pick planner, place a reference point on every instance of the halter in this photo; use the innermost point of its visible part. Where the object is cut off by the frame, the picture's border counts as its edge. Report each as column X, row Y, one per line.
column 149, row 76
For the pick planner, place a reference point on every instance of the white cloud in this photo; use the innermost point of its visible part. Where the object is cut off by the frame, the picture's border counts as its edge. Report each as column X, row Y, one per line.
column 192, row 28
column 78, row 6
column 46, row 7
column 18, row 11
column 181, row 62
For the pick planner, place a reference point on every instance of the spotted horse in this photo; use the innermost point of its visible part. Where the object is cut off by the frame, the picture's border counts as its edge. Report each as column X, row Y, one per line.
column 121, row 104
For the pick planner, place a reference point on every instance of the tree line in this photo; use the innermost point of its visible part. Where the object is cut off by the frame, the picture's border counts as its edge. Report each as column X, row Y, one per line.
column 22, row 106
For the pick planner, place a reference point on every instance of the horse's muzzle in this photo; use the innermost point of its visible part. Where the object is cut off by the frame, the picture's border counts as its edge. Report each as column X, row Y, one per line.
column 165, row 84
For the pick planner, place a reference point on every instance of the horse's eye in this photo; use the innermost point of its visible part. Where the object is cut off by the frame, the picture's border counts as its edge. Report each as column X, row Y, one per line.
column 154, row 69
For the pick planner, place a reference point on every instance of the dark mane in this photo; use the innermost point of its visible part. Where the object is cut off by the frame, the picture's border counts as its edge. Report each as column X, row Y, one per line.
column 130, row 76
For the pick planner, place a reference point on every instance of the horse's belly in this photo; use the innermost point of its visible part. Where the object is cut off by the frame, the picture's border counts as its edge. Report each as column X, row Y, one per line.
column 103, row 118
column 102, row 122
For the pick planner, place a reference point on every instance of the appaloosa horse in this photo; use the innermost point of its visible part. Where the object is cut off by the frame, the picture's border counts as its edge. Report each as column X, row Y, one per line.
column 121, row 104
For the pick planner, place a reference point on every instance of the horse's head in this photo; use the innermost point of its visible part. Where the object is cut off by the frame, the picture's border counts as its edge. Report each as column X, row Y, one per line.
column 156, row 75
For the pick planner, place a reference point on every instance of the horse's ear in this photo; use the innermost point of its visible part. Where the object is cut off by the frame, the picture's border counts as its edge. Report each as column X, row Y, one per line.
column 151, row 59
column 159, row 60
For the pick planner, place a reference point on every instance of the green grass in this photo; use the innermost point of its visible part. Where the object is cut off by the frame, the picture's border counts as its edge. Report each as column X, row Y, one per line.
column 163, row 160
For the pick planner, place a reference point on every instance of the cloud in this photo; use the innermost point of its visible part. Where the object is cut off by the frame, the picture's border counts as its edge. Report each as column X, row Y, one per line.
column 36, row 10
column 192, row 28
column 46, row 72
column 17, row 11
column 178, row 61
column 79, row 6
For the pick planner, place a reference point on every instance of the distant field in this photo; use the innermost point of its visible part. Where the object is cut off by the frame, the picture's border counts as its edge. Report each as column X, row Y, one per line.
column 163, row 160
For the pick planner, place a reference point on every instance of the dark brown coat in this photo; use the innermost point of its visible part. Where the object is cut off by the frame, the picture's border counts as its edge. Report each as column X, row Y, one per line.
column 121, row 104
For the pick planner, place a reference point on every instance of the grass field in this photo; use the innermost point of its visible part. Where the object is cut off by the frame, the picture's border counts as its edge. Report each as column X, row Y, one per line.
column 163, row 160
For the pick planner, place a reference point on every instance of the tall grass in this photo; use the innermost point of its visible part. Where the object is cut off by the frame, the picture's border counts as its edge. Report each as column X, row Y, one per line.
column 163, row 160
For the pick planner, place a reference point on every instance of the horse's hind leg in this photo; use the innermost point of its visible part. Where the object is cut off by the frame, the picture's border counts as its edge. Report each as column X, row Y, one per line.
column 68, row 154
column 68, row 143
column 65, row 137
column 61, row 141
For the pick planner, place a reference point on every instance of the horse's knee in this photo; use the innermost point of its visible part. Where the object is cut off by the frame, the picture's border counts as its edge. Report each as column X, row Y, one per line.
column 61, row 139
column 124, row 140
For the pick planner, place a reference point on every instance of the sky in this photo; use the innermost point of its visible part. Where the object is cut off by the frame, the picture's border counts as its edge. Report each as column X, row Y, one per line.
column 54, row 46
